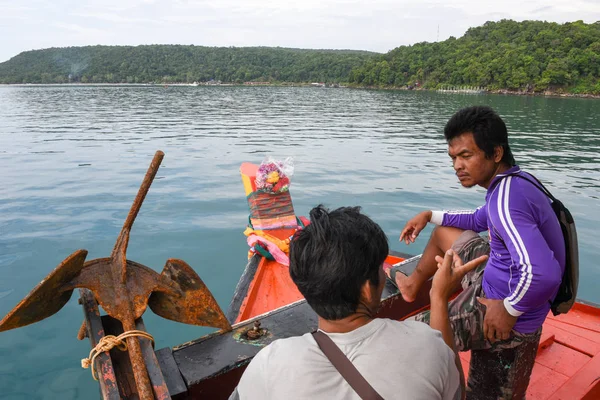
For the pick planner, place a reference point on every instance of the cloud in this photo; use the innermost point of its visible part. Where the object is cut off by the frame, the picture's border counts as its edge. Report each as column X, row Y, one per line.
column 116, row 18
column 378, row 25
column 542, row 9
column 80, row 29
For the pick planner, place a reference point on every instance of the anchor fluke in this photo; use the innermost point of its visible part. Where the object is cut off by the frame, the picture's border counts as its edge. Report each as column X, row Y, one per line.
column 191, row 302
column 49, row 296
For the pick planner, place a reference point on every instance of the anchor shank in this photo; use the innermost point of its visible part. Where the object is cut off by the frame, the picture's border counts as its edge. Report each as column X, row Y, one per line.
column 143, row 191
column 140, row 373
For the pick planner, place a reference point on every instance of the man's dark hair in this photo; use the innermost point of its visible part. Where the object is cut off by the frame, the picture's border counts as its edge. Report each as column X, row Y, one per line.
column 334, row 256
column 487, row 127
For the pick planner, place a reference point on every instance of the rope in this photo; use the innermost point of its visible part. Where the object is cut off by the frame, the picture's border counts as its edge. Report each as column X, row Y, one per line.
column 284, row 245
column 108, row 342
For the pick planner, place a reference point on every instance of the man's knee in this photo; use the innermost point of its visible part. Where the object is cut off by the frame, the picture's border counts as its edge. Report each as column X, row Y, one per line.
column 445, row 236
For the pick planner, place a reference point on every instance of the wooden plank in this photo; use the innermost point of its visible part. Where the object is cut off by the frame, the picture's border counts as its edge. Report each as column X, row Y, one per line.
column 159, row 386
column 581, row 315
column 546, row 340
column 121, row 360
column 575, row 330
column 580, row 383
column 544, row 382
column 562, row 359
column 572, row 340
column 95, row 331
column 170, row 371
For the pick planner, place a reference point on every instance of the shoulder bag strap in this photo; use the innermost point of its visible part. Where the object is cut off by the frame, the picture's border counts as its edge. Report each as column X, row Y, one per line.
column 345, row 367
column 536, row 182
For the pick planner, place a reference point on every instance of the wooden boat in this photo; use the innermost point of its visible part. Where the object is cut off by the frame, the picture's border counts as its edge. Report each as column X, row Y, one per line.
column 267, row 306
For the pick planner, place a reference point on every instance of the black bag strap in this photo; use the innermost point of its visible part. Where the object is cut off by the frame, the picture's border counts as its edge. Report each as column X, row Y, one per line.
column 536, row 182
column 345, row 367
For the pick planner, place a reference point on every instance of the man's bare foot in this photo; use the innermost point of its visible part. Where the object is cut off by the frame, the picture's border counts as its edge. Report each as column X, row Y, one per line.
column 405, row 285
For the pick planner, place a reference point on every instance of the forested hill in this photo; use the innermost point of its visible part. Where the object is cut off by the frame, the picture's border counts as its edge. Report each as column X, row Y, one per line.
column 525, row 56
column 175, row 63
column 529, row 55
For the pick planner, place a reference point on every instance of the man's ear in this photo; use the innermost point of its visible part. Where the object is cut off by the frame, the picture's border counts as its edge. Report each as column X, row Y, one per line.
column 366, row 292
column 498, row 153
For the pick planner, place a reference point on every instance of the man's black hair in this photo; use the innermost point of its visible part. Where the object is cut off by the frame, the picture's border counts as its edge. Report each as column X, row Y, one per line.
column 334, row 256
column 487, row 127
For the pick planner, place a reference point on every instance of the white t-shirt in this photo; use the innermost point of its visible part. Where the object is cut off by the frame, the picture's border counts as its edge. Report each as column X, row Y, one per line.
column 401, row 360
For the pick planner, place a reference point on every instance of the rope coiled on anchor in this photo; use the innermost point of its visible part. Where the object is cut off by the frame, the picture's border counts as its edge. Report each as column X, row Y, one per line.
column 107, row 343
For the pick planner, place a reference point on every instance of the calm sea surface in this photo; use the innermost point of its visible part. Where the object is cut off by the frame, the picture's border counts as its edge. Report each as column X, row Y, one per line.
column 72, row 158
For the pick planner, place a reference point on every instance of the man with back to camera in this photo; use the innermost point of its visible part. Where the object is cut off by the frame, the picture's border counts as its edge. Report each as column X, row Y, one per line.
column 336, row 262
column 500, row 313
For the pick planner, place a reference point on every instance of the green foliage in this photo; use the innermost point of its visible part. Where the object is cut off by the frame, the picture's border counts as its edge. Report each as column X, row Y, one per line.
column 174, row 63
column 525, row 56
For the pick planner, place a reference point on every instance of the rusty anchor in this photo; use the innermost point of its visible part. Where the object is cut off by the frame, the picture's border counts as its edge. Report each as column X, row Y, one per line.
column 124, row 289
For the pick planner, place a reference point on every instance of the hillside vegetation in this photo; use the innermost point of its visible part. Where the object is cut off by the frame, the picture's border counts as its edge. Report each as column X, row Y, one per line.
column 520, row 56
column 175, row 63
column 529, row 55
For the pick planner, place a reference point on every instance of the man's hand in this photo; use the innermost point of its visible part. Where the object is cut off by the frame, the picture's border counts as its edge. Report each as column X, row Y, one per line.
column 450, row 272
column 498, row 323
column 414, row 227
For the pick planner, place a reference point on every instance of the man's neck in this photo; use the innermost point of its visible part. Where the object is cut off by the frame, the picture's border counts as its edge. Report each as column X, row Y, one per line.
column 500, row 169
column 344, row 325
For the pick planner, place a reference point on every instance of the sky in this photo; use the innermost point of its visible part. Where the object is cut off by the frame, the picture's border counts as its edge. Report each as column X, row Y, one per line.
column 376, row 25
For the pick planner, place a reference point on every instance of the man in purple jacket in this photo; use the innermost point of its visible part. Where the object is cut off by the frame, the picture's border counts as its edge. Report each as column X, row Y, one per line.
column 500, row 312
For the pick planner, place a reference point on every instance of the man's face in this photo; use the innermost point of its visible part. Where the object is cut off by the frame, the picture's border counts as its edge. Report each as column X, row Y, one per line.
column 469, row 161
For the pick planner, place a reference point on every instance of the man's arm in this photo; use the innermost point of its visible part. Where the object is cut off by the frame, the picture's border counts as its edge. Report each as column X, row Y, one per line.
column 466, row 220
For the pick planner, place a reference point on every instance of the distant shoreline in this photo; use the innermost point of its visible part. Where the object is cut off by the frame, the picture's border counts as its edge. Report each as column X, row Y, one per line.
column 546, row 93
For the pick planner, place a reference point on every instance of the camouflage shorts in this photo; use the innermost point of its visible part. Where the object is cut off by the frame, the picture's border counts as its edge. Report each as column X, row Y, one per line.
column 497, row 370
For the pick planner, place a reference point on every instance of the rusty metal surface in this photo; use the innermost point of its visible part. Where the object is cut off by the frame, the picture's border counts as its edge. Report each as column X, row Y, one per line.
column 48, row 297
column 189, row 289
column 121, row 361
column 124, row 288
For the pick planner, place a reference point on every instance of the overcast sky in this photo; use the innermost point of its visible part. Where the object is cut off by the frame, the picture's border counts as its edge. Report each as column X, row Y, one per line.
column 377, row 25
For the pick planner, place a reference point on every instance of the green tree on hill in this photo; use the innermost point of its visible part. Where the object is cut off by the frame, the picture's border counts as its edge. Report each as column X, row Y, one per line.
column 526, row 56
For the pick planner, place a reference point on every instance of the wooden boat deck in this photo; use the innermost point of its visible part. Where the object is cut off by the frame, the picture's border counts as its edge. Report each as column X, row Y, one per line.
column 567, row 365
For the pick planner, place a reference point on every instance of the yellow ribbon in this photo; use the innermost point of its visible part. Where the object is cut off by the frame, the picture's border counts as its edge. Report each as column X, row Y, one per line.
column 284, row 245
